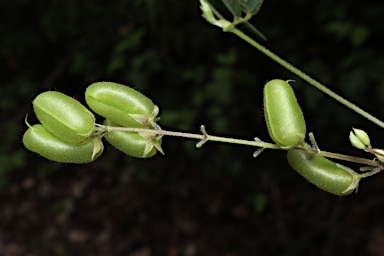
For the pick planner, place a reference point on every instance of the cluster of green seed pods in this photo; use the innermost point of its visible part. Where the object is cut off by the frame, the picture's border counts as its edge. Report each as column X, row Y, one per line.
column 123, row 106
column 286, row 126
column 68, row 133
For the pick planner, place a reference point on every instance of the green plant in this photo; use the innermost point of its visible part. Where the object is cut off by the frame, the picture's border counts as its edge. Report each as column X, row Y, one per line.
column 131, row 118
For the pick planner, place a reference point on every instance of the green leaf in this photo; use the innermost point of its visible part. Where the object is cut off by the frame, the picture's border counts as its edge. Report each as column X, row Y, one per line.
column 251, row 6
column 234, row 6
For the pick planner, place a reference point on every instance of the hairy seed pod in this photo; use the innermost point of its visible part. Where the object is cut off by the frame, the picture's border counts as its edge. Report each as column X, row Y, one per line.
column 39, row 140
column 324, row 173
column 121, row 104
column 64, row 116
column 132, row 143
column 284, row 118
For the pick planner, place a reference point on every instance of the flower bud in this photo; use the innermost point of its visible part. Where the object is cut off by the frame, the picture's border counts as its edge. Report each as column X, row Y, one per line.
column 359, row 139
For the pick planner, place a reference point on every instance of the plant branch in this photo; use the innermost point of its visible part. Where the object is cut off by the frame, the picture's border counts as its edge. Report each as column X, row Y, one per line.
column 204, row 137
column 306, row 77
column 209, row 12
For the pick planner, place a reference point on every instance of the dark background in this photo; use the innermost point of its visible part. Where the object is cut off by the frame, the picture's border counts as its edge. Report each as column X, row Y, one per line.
column 216, row 200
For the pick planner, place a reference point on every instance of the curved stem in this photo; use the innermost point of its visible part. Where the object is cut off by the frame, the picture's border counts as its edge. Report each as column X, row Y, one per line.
column 306, row 77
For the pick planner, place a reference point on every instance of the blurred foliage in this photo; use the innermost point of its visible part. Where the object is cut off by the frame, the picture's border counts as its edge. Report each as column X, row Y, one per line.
column 197, row 75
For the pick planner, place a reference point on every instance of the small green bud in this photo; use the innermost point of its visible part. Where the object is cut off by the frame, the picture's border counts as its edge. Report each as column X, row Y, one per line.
column 359, row 139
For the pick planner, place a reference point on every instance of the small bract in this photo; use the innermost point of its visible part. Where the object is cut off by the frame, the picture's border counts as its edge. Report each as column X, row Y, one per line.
column 39, row 140
column 284, row 118
column 64, row 116
column 141, row 145
column 121, row 104
column 324, row 173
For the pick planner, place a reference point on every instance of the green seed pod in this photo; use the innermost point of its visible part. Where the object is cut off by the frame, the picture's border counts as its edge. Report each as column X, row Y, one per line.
column 121, row 104
column 284, row 118
column 132, row 143
column 324, row 173
column 39, row 140
column 64, row 116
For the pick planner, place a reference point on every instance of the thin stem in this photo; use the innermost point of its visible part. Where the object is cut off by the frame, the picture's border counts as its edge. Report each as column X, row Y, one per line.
column 159, row 132
column 217, row 13
column 204, row 137
column 243, row 142
column 353, row 159
column 370, row 173
column 306, row 77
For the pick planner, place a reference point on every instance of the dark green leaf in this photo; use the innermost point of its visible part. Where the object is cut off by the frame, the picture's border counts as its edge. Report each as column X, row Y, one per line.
column 251, row 6
column 234, row 6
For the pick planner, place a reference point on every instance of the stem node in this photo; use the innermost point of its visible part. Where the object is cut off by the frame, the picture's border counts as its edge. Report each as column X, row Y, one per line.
column 205, row 137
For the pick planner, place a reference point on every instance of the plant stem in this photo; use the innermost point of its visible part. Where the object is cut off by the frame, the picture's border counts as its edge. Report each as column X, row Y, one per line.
column 204, row 137
column 354, row 159
column 243, row 142
column 306, row 77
